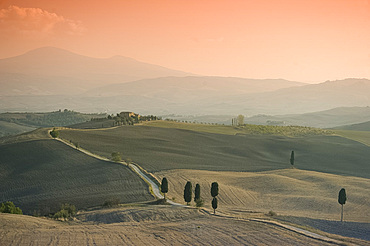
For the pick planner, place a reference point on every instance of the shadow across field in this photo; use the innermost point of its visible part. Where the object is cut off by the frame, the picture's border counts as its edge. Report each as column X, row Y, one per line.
column 347, row 229
column 158, row 149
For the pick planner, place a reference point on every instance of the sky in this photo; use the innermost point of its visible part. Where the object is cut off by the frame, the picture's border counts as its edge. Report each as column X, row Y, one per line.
column 302, row 40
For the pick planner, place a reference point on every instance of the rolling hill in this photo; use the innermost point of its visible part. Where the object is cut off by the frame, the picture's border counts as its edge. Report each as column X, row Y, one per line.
column 158, row 148
column 364, row 126
column 17, row 123
column 190, row 88
column 289, row 192
column 322, row 119
column 309, row 98
column 40, row 175
column 9, row 128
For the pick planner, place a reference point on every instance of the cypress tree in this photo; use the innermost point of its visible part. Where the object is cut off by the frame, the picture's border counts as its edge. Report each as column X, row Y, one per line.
column 164, row 187
column 197, row 193
column 188, row 192
column 292, row 158
column 214, row 189
column 214, row 205
column 342, row 198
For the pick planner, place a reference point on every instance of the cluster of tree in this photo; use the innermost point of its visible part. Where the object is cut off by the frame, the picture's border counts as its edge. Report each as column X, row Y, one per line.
column 238, row 121
column 289, row 131
column 194, row 122
column 188, row 193
column 9, row 207
column 125, row 119
column 54, row 133
column 66, row 211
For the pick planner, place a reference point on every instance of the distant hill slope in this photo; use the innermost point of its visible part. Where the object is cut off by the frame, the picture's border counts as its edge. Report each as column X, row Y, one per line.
column 304, row 99
column 159, row 149
column 41, row 174
column 364, row 126
column 54, row 71
column 16, row 123
column 183, row 89
column 9, row 128
column 204, row 96
column 49, row 119
column 323, row 119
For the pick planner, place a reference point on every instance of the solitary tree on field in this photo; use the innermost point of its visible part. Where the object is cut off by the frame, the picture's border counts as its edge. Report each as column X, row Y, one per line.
column 164, row 187
column 342, row 198
column 54, row 133
column 292, row 159
column 197, row 193
column 214, row 205
column 188, row 192
column 116, row 156
column 214, row 189
column 240, row 120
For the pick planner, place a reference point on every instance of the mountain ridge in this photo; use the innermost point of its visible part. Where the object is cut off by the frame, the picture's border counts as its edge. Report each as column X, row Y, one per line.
column 48, row 67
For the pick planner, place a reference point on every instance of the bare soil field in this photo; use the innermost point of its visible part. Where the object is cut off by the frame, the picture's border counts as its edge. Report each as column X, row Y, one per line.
column 155, row 225
column 290, row 192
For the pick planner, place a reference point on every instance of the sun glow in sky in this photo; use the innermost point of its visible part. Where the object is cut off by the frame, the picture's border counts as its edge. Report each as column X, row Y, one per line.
column 305, row 40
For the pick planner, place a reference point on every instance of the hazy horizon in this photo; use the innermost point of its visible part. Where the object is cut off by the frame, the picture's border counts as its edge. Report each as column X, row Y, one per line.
column 310, row 42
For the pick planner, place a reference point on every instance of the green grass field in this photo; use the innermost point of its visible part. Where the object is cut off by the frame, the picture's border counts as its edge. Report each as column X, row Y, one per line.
column 359, row 136
column 160, row 148
column 41, row 174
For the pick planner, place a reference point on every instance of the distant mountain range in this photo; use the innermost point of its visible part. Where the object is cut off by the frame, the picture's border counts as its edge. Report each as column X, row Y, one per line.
column 48, row 79
column 50, row 71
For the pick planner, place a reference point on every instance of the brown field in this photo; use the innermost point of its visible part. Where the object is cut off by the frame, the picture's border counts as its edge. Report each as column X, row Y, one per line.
column 290, row 192
column 154, row 225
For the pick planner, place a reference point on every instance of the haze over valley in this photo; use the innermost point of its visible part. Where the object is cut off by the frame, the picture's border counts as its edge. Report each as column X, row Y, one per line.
column 185, row 122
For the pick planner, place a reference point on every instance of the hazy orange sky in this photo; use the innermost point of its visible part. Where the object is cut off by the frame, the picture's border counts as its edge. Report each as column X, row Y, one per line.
column 303, row 40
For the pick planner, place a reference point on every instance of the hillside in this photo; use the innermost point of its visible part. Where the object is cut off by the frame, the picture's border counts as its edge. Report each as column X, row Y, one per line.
column 364, row 126
column 16, row 123
column 54, row 71
column 203, row 96
column 303, row 99
column 324, row 119
column 9, row 128
column 291, row 192
column 187, row 89
column 157, row 225
column 39, row 175
column 159, row 149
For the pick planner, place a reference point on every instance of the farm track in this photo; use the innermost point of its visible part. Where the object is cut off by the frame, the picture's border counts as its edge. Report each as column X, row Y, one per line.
column 158, row 195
